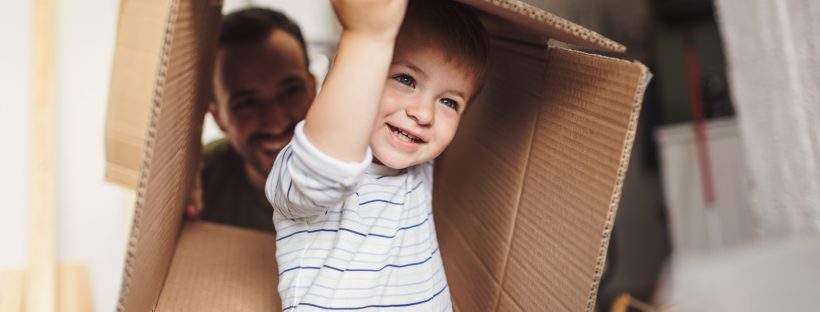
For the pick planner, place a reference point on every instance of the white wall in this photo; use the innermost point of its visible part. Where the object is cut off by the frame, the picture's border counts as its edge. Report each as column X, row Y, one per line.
column 15, row 85
column 91, row 214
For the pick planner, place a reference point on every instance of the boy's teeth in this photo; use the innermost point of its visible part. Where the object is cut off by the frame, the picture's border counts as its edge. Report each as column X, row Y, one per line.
column 404, row 136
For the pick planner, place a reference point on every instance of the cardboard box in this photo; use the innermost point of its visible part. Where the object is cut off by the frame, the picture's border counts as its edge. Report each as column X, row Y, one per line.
column 525, row 197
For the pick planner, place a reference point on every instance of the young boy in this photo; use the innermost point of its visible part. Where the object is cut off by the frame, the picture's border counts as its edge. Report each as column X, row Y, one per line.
column 352, row 192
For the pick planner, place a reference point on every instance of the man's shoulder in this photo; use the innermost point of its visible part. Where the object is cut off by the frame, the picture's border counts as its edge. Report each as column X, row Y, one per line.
column 216, row 148
column 220, row 161
column 217, row 152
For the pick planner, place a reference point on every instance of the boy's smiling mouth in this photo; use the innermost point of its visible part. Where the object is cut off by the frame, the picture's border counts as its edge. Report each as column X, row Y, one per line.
column 404, row 135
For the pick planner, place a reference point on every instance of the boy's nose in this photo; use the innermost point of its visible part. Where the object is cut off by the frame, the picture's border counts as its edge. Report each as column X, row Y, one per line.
column 422, row 112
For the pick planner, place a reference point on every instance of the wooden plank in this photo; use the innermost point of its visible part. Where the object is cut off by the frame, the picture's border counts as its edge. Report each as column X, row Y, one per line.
column 41, row 282
column 74, row 288
column 11, row 291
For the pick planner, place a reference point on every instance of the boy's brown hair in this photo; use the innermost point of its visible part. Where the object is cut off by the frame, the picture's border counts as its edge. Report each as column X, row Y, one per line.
column 455, row 29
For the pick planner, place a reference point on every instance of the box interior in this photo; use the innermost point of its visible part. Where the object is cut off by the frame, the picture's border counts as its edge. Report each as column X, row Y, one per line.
column 526, row 195
column 221, row 268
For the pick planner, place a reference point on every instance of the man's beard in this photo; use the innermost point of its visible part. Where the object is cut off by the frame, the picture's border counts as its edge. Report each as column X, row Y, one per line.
column 253, row 156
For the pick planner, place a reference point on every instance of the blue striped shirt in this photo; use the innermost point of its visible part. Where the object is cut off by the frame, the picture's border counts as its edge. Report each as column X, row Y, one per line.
column 354, row 236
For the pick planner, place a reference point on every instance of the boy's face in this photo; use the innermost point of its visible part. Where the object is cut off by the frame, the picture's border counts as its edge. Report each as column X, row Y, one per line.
column 262, row 90
column 422, row 104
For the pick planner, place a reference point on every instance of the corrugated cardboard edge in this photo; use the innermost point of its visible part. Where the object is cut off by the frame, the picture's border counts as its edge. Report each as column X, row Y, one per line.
column 626, row 153
column 557, row 28
column 150, row 138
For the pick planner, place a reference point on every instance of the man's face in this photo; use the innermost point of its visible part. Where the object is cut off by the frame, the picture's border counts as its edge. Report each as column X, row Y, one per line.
column 262, row 90
column 421, row 106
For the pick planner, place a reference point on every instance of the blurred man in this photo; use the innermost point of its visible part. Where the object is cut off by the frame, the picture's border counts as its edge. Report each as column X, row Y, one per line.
column 262, row 88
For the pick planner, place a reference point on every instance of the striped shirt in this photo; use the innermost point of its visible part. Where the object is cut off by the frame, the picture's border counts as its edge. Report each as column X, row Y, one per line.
column 354, row 236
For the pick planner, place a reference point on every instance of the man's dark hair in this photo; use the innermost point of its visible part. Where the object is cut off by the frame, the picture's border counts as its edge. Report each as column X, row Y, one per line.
column 254, row 25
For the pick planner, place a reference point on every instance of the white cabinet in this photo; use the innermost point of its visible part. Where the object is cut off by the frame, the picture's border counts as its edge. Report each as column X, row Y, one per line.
column 696, row 227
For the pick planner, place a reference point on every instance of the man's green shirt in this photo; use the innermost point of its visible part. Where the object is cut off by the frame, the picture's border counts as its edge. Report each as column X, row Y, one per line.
column 227, row 195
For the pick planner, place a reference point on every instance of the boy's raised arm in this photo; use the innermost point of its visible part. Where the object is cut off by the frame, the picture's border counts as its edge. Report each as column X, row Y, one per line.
column 341, row 119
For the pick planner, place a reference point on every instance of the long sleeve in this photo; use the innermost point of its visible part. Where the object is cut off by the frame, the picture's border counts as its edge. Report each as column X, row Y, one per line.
column 305, row 182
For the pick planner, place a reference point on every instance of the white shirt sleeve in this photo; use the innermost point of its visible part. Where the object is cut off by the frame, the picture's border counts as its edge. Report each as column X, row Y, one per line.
column 306, row 182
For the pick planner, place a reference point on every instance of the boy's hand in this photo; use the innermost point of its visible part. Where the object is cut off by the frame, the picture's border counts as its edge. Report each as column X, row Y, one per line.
column 194, row 207
column 378, row 19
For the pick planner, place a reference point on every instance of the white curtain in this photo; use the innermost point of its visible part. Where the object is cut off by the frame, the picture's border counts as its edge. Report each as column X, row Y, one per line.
column 773, row 53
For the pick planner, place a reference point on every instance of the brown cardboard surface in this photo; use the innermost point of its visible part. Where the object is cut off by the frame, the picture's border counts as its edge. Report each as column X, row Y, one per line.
column 537, row 162
column 221, row 268
column 507, row 304
column 172, row 147
column 139, row 39
column 524, row 197
column 572, row 186
column 478, row 180
column 533, row 20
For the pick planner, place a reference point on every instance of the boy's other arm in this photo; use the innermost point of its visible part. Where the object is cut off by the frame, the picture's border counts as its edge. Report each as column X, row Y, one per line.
column 341, row 119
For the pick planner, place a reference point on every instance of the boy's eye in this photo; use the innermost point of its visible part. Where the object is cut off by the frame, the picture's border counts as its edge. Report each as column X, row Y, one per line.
column 449, row 103
column 405, row 80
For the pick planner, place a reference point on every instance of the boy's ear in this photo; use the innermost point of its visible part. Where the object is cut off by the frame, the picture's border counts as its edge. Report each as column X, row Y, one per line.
column 214, row 110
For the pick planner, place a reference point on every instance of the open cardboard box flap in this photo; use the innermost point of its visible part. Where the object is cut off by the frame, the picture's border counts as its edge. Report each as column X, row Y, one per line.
column 524, row 198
